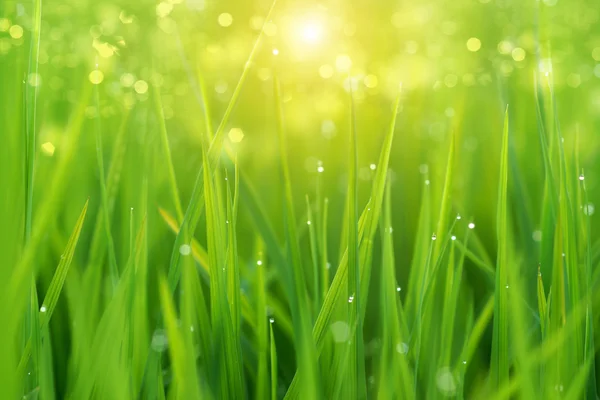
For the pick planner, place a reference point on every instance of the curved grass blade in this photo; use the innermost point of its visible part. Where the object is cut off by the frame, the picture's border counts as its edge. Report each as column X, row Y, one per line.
column 55, row 288
column 196, row 204
column 487, row 269
column 58, row 280
column 164, row 145
column 45, row 214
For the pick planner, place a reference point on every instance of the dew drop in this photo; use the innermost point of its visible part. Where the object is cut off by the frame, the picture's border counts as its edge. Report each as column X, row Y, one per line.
column 464, row 362
column 271, row 320
column 259, row 262
column 581, row 177
column 43, row 308
column 160, row 341
column 471, row 225
column 402, row 348
column 185, row 250
column 373, row 167
column 427, row 182
column 445, row 381
column 433, row 237
column 308, row 222
column 351, row 299
column 453, row 237
column 398, row 289
column 458, row 217
column 340, row 331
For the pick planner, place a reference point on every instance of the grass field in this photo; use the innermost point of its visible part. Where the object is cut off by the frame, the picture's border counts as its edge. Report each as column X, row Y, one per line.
column 344, row 199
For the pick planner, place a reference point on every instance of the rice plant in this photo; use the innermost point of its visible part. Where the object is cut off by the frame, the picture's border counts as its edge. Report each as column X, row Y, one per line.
column 299, row 200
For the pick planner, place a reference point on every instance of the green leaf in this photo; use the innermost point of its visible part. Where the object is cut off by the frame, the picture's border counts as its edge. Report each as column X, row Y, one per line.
column 500, row 357
column 295, row 281
column 51, row 299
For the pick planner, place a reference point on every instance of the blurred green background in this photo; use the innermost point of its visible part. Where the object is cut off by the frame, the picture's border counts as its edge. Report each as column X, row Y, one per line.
column 458, row 63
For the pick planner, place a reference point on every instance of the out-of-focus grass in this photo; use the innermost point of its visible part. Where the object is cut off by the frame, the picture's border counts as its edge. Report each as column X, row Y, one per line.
column 206, row 199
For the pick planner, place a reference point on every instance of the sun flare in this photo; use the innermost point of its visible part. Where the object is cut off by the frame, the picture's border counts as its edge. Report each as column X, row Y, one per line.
column 311, row 32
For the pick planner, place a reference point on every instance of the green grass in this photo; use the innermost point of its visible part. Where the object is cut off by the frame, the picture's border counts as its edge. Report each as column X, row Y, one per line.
column 236, row 210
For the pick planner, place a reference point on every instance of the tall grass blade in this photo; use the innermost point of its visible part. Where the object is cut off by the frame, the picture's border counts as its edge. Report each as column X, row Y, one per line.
column 295, row 281
column 356, row 375
column 500, row 357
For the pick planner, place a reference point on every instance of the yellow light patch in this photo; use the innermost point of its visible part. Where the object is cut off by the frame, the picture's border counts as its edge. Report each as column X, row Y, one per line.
column 141, row 87
column 163, row 9
column 518, row 54
column 34, row 80
column 225, row 20
column 473, row 44
column 236, row 135
column 343, row 63
column 311, row 32
column 48, row 149
column 96, row 76
column 127, row 80
column 16, row 32
column 371, row 81
column 270, row 29
column 105, row 50
column 4, row 24
column 326, row 71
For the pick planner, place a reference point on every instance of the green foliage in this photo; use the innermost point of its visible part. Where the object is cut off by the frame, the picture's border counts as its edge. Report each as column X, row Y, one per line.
column 430, row 243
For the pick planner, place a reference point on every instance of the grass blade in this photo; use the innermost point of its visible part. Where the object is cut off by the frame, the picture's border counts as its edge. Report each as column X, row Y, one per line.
column 356, row 375
column 296, row 286
column 500, row 362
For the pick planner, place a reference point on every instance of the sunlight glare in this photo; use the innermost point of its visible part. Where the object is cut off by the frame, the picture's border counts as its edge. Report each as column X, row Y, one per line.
column 311, row 32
